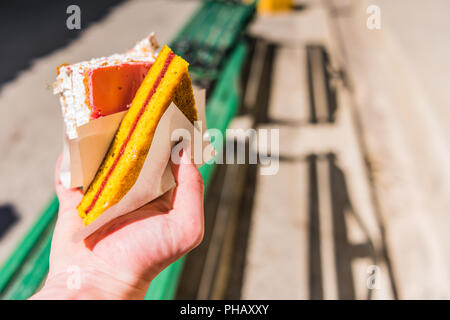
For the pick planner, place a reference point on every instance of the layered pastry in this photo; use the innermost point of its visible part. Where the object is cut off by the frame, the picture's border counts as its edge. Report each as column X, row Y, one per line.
column 167, row 80
column 102, row 86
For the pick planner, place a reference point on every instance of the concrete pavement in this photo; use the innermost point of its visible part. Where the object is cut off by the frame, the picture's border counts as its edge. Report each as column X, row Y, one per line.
column 397, row 75
column 389, row 152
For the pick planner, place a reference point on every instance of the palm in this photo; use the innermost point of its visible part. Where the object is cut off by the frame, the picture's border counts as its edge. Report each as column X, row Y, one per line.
column 150, row 236
column 141, row 243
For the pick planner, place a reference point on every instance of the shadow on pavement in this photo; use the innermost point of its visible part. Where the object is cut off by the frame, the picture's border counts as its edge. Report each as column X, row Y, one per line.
column 8, row 218
column 32, row 29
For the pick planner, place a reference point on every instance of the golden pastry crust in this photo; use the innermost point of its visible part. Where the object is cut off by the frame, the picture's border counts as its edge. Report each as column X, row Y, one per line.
column 167, row 80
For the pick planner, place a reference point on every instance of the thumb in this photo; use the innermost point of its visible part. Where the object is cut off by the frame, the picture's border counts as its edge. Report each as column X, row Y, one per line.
column 188, row 195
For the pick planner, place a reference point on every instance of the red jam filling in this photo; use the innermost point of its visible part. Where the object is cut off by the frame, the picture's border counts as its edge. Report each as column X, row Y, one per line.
column 112, row 88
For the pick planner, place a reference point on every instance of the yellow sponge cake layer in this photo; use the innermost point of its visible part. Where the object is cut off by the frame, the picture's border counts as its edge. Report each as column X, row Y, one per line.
column 167, row 80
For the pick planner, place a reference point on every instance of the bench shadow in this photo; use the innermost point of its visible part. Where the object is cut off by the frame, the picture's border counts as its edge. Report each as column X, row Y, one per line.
column 344, row 251
column 342, row 208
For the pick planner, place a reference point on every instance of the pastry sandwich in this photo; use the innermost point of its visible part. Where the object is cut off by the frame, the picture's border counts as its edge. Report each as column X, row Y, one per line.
column 167, row 81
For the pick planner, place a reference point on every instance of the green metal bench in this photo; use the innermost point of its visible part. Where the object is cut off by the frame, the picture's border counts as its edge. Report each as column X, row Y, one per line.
column 211, row 41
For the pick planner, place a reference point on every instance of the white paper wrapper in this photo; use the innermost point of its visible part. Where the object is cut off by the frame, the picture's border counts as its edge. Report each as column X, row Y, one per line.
column 83, row 156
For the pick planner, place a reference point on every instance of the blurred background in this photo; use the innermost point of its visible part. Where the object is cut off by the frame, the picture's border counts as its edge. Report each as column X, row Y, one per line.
column 359, row 208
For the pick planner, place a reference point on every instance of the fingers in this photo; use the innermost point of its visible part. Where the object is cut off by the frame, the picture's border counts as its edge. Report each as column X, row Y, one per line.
column 189, row 190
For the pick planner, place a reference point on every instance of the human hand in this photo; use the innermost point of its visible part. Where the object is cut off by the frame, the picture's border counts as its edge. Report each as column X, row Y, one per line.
column 120, row 259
